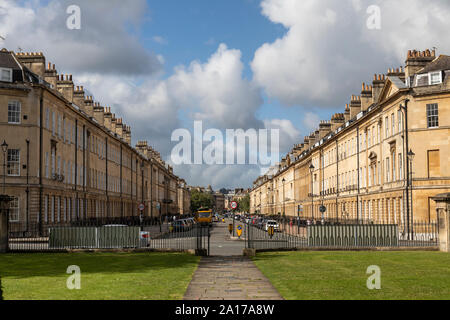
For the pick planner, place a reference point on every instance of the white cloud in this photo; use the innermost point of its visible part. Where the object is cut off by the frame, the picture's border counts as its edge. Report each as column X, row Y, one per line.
column 328, row 51
column 289, row 134
column 103, row 44
column 311, row 121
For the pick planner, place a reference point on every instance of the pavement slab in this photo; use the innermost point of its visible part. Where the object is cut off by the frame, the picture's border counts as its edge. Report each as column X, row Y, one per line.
column 243, row 281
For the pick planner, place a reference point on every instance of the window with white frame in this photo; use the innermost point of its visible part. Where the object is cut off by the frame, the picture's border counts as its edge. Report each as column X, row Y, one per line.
column 6, row 74
column 14, row 210
column 435, row 78
column 14, row 162
column 432, row 115
column 400, row 167
column 14, row 111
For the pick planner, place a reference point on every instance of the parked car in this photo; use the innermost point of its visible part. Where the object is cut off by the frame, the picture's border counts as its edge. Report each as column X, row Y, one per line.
column 179, row 226
column 274, row 224
column 144, row 239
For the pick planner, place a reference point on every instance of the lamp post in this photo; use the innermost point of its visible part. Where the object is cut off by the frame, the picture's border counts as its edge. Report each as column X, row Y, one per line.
column 411, row 156
column 260, row 203
column 311, row 170
column 5, row 150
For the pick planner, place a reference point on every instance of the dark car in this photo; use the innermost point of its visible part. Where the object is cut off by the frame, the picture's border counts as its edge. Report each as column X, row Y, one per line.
column 179, row 226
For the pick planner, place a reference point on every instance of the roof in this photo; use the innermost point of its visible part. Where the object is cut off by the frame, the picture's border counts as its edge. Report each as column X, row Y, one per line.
column 441, row 63
column 8, row 61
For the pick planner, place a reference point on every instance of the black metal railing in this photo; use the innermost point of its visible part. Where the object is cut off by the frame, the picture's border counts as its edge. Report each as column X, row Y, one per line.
column 291, row 233
column 166, row 233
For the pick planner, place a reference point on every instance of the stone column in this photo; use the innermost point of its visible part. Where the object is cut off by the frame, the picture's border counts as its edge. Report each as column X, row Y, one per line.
column 443, row 215
column 4, row 210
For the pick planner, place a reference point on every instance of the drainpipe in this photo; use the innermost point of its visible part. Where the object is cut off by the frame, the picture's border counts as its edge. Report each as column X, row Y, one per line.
column 41, row 191
column 359, row 178
column 28, row 184
column 408, row 180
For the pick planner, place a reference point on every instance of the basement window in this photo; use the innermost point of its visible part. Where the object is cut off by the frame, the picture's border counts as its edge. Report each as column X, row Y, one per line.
column 5, row 74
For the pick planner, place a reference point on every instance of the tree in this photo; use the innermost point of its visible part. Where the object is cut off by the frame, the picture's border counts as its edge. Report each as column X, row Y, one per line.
column 244, row 204
column 201, row 200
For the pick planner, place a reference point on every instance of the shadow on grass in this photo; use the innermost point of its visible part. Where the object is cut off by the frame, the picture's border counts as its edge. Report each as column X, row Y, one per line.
column 21, row 266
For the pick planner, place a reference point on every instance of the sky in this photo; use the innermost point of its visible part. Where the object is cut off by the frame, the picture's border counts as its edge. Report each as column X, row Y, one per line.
column 233, row 64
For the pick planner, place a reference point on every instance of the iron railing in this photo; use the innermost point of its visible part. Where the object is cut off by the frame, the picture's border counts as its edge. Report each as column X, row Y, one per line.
column 104, row 233
column 292, row 233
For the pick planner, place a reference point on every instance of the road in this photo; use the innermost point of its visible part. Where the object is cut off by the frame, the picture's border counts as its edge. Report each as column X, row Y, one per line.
column 221, row 243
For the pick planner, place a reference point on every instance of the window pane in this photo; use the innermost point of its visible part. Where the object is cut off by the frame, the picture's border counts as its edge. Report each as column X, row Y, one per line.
column 14, row 112
column 13, row 162
column 432, row 116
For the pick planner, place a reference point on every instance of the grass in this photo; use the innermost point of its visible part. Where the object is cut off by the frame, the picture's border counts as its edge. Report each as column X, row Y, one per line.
column 342, row 275
column 104, row 276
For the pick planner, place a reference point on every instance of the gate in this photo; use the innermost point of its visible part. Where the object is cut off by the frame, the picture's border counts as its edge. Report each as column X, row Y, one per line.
column 121, row 233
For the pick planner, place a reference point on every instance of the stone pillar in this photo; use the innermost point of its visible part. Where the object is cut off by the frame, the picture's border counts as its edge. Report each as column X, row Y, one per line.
column 4, row 210
column 443, row 215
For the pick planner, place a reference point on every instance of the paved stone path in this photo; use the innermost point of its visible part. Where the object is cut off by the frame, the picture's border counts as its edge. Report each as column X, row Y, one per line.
column 230, row 278
column 227, row 275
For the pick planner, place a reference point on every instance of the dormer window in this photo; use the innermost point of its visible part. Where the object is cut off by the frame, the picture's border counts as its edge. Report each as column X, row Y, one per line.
column 5, row 74
column 429, row 79
column 435, row 78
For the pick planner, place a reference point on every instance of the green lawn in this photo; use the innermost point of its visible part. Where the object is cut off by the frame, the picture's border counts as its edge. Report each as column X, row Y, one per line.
column 342, row 275
column 104, row 276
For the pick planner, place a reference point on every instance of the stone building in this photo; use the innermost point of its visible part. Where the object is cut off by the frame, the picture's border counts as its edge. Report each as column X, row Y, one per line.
column 382, row 160
column 69, row 157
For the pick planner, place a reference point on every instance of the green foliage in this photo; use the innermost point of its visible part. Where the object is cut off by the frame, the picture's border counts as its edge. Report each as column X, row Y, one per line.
column 244, row 204
column 201, row 200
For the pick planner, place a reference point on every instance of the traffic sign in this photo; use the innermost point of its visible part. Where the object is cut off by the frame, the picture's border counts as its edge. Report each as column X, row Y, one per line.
column 141, row 207
column 158, row 205
column 234, row 205
column 239, row 231
column 323, row 209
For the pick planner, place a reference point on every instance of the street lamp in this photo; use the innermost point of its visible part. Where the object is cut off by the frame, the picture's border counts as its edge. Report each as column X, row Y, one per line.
column 411, row 156
column 311, row 170
column 5, row 150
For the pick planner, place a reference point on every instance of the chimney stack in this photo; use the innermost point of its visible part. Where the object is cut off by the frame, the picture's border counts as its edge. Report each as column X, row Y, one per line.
column 99, row 114
column 378, row 85
column 355, row 106
column 417, row 60
column 337, row 121
column 78, row 97
column 119, row 127
column 366, row 97
column 324, row 129
column 35, row 61
column 64, row 85
column 51, row 75
column 107, row 122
